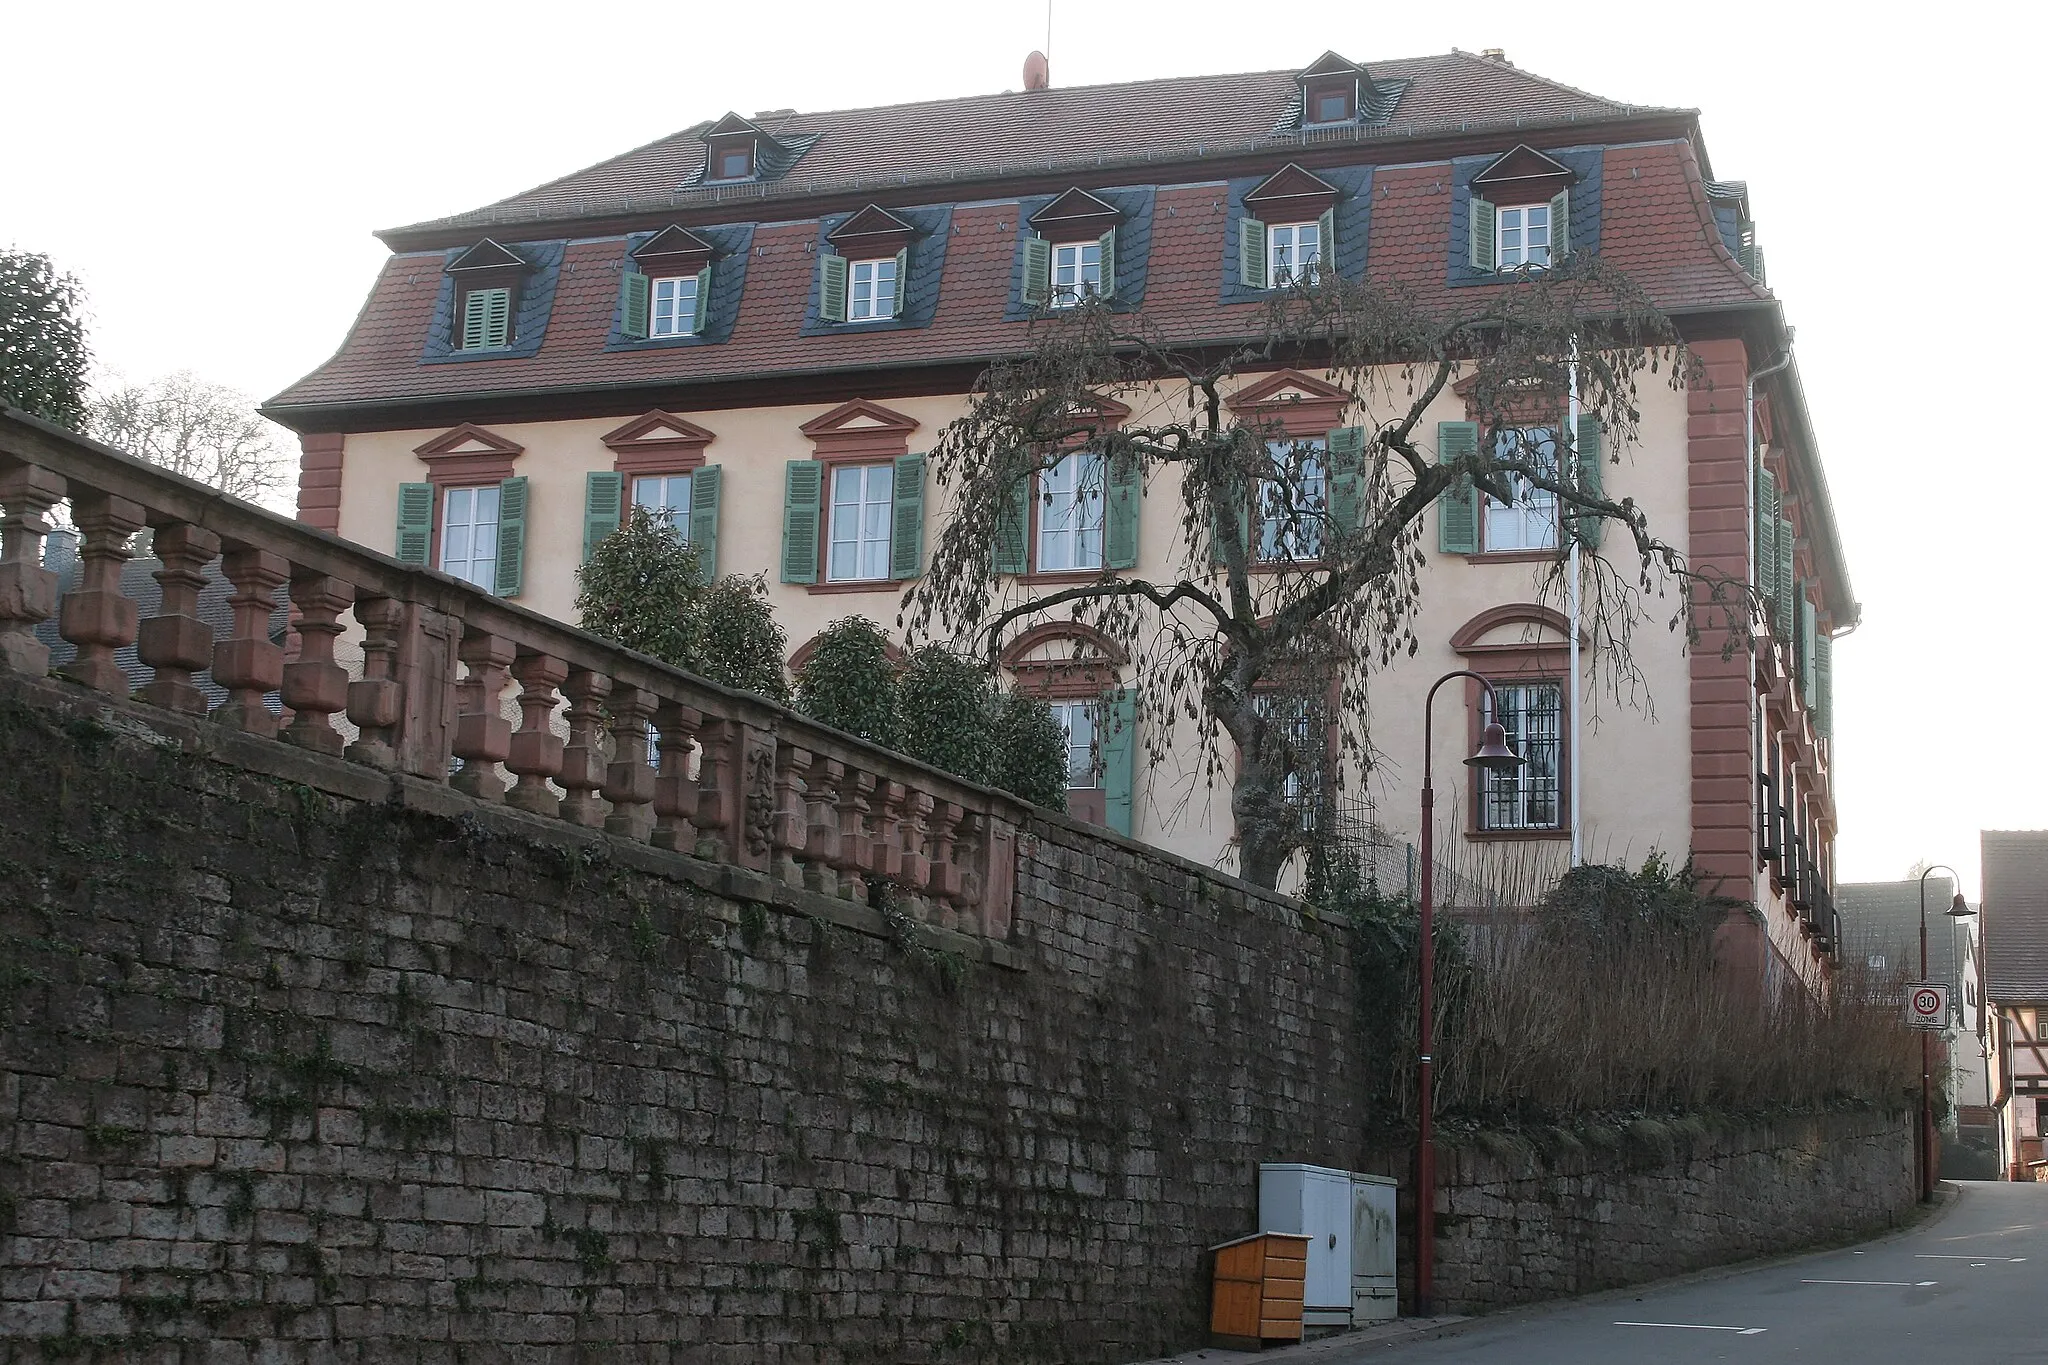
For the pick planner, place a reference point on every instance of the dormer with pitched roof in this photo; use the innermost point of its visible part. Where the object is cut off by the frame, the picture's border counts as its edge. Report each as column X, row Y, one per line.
column 737, row 150
column 1333, row 91
column 487, row 279
column 1519, row 211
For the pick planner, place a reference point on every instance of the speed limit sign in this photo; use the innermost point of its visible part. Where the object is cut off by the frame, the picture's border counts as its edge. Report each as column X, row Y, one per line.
column 1927, row 1005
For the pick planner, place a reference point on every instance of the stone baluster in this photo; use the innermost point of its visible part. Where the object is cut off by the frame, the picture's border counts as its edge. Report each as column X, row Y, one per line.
column 821, row 824
column 583, row 759
column 483, row 737
column 675, row 791
column 856, row 844
column 968, row 846
column 28, row 591
column 376, row 701
column 175, row 643
column 717, row 815
column 917, row 834
column 885, row 844
column 629, row 782
column 97, row 618
column 315, row 686
column 248, row 664
column 792, row 770
column 536, row 752
column 943, row 883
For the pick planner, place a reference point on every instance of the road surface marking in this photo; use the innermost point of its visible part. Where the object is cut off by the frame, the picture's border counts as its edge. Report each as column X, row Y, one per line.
column 1882, row 1284
column 1698, row 1327
column 1951, row 1256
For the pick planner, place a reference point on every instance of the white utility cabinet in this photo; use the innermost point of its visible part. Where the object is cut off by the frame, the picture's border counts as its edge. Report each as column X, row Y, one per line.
column 1315, row 1201
column 1374, row 1296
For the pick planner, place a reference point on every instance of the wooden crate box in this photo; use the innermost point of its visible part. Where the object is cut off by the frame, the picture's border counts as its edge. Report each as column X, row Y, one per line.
column 1260, row 1281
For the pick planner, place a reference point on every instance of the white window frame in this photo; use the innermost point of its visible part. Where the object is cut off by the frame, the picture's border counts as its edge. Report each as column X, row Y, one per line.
column 1076, row 273
column 1314, row 111
column 1294, row 253
column 669, row 313
column 1521, row 220
column 1081, row 722
column 1531, row 796
column 659, row 494
column 1070, row 515
column 871, row 290
column 1531, row 521
column 1295, row 536
column 862, row 522
column 469, row 520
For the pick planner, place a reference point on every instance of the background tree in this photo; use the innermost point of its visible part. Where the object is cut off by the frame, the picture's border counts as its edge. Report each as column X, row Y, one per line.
column 1030, row 760
column 849, row 681
column 203, row 430
column 739, row 643
column 1292, row 563
column 943, row 701
column 640, row 590
column 43, row 351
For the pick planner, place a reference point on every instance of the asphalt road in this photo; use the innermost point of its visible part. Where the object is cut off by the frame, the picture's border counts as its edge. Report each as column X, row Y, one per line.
column 1970, row 1287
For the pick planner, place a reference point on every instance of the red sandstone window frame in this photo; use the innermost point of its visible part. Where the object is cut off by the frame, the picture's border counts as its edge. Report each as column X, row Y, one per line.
column 881, row 440
column 1518, row 664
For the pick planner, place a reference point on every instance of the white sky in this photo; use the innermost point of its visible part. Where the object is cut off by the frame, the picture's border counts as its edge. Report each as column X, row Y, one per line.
column 212, row 173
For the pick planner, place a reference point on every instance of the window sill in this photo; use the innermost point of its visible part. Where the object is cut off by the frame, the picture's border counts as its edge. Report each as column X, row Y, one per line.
column 857, row 585
column 1066, row 576
column 1496, row 836
column 1511, row 556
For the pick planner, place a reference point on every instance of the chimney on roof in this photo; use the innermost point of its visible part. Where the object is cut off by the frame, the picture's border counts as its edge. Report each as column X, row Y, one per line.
column 1496, row 54
column 1037, row 72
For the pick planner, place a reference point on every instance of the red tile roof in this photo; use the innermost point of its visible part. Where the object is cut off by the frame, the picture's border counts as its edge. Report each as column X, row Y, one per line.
column 1017, row 131
column 2016, row 916
column 1656, row 225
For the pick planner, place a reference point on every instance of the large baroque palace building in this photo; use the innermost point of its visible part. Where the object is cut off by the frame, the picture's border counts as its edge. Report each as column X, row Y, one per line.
column 758, row 325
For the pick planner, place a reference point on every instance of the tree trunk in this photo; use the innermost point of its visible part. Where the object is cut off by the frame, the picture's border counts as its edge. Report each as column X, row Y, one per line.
column 1268, row 827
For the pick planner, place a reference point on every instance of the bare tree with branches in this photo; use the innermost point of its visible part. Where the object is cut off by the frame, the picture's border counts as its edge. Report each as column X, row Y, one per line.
column 190, row 426
column 1298, row 569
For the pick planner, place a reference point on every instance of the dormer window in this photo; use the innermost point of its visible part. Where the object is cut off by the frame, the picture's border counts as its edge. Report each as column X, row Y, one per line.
column 1330, row 91
column 487, row 279
column 1071, row 256
column 1289, row 232
column 737, row 149
column 865, row 268
column 1519, row 213
column 874, row 291
column 1333, row 103
column 731, row 159
column 666, row 289
column 675, row 312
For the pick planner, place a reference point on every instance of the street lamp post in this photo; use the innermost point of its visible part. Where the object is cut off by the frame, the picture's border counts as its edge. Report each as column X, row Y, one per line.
column 1495, row 755
column 1958, row 909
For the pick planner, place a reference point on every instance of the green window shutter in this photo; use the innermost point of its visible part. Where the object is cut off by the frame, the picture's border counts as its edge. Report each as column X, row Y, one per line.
column 1119, row 740
column 1013, row 528
column 802, row 483
column 604, row 494
column 701, row 314
column 1824, row 684
column 1591, row 471
column 511, row 538
column 1108, row 244
column 497, row 318
column 831, row 288
column 1457, row 511
column 1766, row 530
column 1560, row 225
column 633, row 296
column 906, row 527
column 1808, row 629
column 475, row 310
column 1124, row 498
column 1480, row 223
column 902, row 280
column 1251, row 254
column 1037, row 271
column 706, row 483
column 1783, row 590
column 415, row 522
column 1347, row 480
column 1326, row 241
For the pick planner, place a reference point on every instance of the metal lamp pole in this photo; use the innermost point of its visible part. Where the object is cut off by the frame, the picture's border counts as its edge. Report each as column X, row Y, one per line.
column 1958, row 909
column 1494, row 754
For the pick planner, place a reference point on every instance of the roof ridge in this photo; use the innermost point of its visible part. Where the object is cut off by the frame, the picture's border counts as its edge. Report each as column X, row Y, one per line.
column 1541, row 79
column 696, row 128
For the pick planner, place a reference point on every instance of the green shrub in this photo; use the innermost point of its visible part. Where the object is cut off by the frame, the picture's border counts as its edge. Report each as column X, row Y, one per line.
column 1030, row 750
column 942, row 700
column 738, row 641
column 849, row 682
column 640, row 589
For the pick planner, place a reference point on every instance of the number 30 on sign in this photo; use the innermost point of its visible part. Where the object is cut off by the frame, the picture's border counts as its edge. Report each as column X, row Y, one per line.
column 1927, row 1004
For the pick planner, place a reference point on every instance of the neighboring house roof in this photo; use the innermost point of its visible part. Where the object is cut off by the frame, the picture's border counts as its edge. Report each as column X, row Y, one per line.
column 2016, row 916
column 1883, row 919
column 1035, row 130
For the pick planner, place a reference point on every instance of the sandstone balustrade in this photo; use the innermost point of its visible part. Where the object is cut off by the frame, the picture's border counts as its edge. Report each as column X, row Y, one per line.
column 642, row 750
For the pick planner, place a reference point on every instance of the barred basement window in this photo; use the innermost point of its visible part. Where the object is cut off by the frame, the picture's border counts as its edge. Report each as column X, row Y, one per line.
column 1528, row 797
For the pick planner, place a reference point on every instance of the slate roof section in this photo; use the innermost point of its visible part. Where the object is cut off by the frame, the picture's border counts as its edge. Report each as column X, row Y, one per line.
column 981, row 135
column 1883, row 918
column 2015, row 916
column 1657, row 226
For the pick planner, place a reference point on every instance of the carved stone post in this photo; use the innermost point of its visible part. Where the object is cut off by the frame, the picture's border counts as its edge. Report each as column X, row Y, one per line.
column 717, row 815
column 175, row 643
column 885, row 847
column 376, row 702
column 629, row 782
column 944, row 881
column 536, row 752
column 483, row 737
column 583, row 758
column 675, row 791
column 856, row 845
column 821, row 826
column 792, row 770
column 247, row 664
column 315, row 686
column 967, row 848
column 998, row 894
column 28, row 591
column 917, row 857
column 97, row 618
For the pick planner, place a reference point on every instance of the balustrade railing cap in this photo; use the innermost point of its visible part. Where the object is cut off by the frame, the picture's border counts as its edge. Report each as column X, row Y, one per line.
column 168, row 498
